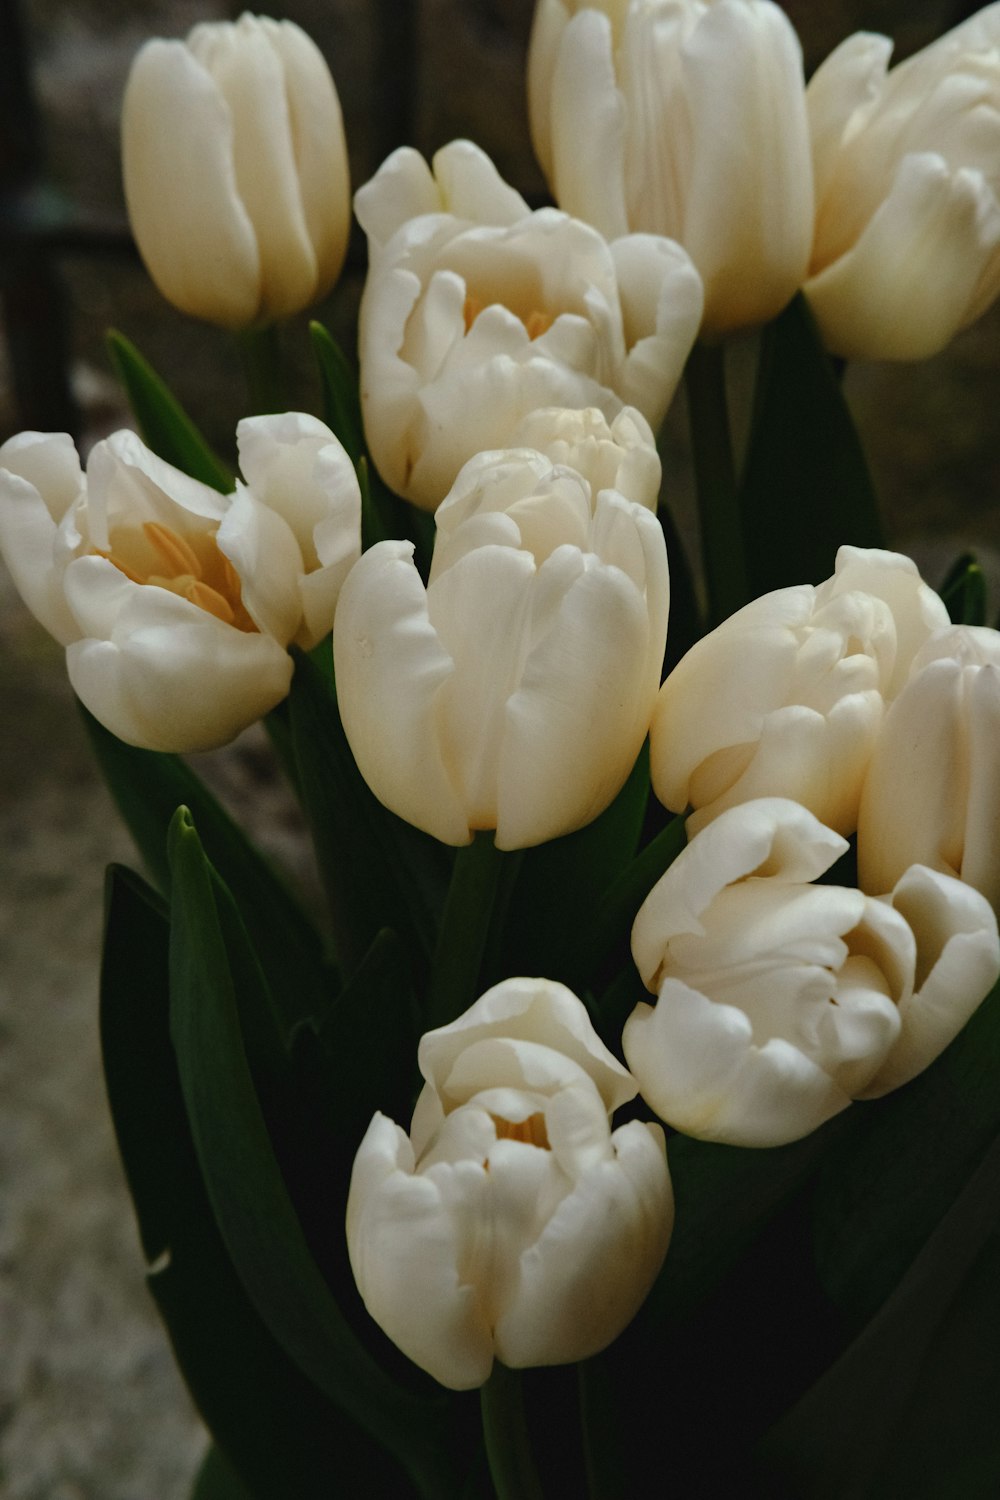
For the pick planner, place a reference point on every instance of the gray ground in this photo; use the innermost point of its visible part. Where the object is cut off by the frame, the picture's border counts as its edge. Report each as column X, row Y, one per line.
column 90, row 1405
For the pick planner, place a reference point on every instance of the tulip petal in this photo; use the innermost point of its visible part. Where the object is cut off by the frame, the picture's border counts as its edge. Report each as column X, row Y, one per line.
column 937, row 228
column 250, row 77
column 589, row 1271
column 844, row 86
column 959, row 963
column 177, row 148
column 402, row 189
column 981, row 847
column 162, row 673
column 39, row 480
column 390, row 668
column 262, row 548
column 405, row 1236
column 698, row 1068
column 583, row 701
column 319, row 146
column 471, row 187
column 587, row 146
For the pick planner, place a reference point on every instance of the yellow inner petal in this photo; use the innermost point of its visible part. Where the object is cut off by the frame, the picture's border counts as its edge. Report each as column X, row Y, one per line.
column 532, row 1130
column 192, row 567
column 536, row 322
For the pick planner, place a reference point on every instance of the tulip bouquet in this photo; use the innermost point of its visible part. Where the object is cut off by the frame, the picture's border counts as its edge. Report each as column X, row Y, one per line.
column 612, row 880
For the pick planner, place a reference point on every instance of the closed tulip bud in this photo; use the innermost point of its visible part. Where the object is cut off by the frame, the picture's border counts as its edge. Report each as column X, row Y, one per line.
column 685, row 119
column 907, row 163
column 932, row 794
column 514, row 691
column 176, row 604
column 477, row 311
column 785, row 698
column 781, row 1001
column 235, row 170
column 512, row 1223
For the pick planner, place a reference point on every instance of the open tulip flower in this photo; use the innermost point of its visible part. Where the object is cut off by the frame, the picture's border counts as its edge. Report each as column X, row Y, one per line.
column 939, row 751
column 780, row 1001
column 785, row 698
column 907, row 163
column 235, row 170
column 514, row 691
column 176, row 604
column 686, row 119
column 511, row 1223
column 476, row 311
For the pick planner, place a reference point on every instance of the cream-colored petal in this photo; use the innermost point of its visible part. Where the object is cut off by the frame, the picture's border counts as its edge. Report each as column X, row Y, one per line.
column 189, row 220
column 262, row 548
column 586, row 126
column 390, row 668
column 936, row 229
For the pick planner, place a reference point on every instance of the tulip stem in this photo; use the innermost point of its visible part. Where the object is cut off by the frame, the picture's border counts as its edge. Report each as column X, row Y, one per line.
column 465, row 928
column 505, row 1430
column 715, row 477
column 260, row 351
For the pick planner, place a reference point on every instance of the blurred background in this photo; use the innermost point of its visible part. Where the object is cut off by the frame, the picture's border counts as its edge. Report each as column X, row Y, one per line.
column 90, row 1405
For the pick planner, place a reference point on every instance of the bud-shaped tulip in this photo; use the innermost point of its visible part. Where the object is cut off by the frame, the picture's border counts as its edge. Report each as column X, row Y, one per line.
column 514, row 692
column 932, row 794
column 780, row 1001
column 176, row 604
column 785, row 697
column 512, row 1223
column 907, row 165
column 235, row 170
column 477, row 311
column 685, row 119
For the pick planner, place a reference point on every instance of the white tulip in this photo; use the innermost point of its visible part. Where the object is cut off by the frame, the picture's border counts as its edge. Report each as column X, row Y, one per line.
column 907, row 163
column 514, row 691
column 512, row 1223
column 785, row 698
column 780, row 1001
column 477, row 311
column 687, row 119
column 235, row 170
column 932, row 794
column 176, row 604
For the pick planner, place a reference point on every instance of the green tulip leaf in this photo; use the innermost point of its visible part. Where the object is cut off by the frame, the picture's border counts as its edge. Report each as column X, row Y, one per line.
column 209, row 948
column 341, row 406
column 805, row 489
column 164, row 425
column 964, row 592
column 148, row 787
column 909, row 1408
column 378, row 871
column 903, row 1164
column 561, row 884
column 276, row 1434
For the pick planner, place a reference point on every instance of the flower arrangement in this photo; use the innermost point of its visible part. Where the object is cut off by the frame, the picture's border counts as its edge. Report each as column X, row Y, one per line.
column 655, row 1008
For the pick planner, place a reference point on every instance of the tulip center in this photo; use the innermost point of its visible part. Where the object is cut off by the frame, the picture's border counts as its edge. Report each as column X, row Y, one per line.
column 192, row 567
column 535, row 321
column 532, row 1130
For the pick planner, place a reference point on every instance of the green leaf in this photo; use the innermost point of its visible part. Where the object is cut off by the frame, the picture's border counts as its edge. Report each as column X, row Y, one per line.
column 725, row 1195
column 148, row 787
column 251, row 1204
column 163, row 423
column 550, row 927
column 217, row 1480
column 378, row 871
column 879, row 1422
column 805, row 489
column 278, row 1433
column 623, row 897
column 903, row 1164
column 964, row 592
column 339, row 382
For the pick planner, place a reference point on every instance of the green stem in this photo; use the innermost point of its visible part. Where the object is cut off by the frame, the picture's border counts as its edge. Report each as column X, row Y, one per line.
column 602, row 1456
column 465, row 927
column 260, row 351
column 505, row 1430
column 715, row 476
